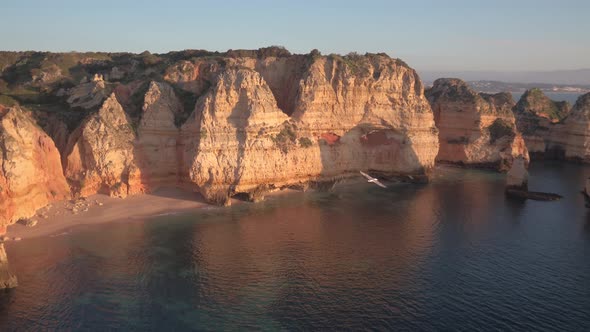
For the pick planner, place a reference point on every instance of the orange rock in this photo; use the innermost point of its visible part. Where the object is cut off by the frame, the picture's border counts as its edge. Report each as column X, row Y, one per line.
column 31, row 173
column 475, row 129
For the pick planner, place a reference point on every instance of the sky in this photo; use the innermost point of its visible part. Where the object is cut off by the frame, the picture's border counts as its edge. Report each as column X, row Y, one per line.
column 428, row 34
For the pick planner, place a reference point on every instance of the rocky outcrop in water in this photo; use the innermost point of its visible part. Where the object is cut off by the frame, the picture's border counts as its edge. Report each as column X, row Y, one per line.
column 332, row 123
column 572, row 137
column 7, row 278
column 517, row 184
column 536, row 118
column 30, row 168
column 518, row 177
column 475, row 129
column 563, row 135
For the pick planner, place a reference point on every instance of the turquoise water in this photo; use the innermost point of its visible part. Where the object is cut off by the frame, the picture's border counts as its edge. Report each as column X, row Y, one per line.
column 451, row 255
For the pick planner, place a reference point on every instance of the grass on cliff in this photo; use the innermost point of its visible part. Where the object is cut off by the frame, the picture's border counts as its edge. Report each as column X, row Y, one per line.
column 499, row 129
column 7, row 101
column 286, row 137
column 536, row 101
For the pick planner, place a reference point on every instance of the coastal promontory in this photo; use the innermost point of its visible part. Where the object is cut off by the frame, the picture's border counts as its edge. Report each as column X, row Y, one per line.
column 239, row 122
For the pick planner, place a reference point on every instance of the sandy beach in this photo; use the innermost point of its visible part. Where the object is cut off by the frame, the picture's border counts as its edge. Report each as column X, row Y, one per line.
column 96, row 209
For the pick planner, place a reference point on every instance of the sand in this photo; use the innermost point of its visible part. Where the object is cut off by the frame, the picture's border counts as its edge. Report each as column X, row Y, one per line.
column 61, row 216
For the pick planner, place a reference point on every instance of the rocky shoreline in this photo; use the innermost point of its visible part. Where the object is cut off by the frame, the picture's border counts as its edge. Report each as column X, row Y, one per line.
column 247, row 124
column 220, row 124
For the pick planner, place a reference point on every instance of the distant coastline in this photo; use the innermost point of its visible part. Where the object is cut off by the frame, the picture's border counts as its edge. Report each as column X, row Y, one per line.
column 557, row 92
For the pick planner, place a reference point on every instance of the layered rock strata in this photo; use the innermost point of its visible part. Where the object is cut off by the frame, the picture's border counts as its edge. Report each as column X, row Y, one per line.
column 243, row 122
column 30, row 168
column 536, row 118
column 518, row 177
column 475, row 129
column 572, row 137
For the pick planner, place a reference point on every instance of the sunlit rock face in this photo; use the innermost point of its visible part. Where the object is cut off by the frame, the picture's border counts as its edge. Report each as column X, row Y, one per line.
column 100, row 153
column 518, row 176
column 157, row 137
column 475, row 129
column 553, row 130
column 320, row 120
column 30, row 167
column 239, row 122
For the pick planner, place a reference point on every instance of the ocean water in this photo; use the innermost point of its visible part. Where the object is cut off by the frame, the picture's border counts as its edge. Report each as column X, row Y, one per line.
column 455, row 254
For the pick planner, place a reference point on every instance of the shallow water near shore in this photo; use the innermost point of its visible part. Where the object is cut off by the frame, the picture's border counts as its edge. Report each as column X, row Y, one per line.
column 455, row 254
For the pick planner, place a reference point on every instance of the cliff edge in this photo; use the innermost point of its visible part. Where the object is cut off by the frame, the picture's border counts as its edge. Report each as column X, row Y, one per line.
column 475, row 129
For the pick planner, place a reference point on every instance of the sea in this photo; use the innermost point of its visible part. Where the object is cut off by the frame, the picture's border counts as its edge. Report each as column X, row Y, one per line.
column 452, row 255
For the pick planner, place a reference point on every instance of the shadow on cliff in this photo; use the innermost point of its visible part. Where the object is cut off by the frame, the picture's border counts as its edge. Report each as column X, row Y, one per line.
column 237, row 120
column 385, row 153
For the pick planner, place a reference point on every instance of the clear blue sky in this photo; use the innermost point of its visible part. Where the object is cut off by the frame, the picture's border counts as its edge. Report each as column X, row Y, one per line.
column 428, row 34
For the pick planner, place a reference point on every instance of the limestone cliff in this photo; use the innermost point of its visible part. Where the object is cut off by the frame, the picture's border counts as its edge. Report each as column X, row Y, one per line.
column 239, row 140
column 30, row 168
column 100, row 153
column 518, row 177
column 573, row 136
column 239, row 122
column 7, row 278
column 475, row 128
column 89, row 94
column 536, row 116
column 156, row 145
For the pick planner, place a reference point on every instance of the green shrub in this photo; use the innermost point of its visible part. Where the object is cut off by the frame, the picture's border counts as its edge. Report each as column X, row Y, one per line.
column 500, row 128
column 305, row 142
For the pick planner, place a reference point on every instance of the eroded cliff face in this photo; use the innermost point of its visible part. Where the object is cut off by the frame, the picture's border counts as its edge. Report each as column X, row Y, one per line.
column 333, row 122
column 475, row 128
column 30, row 167
column 572, row 137
column 537, row 117
column 7, row 278
column 99, row 156
column 156, row 148
column 240, row 122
